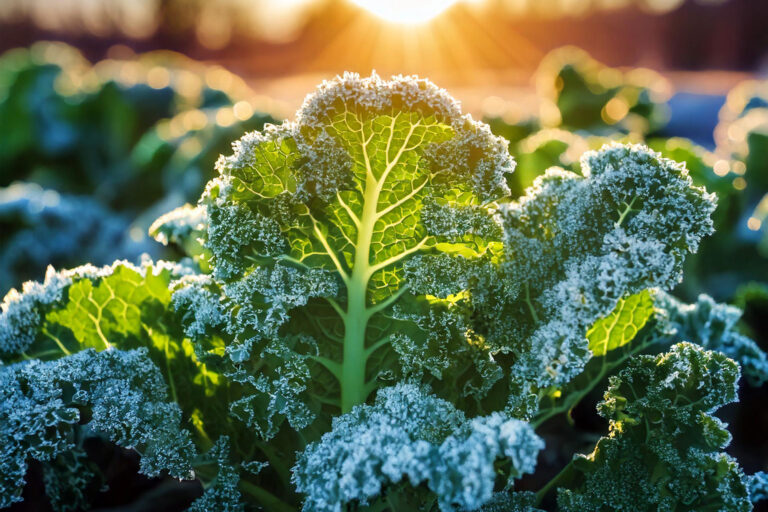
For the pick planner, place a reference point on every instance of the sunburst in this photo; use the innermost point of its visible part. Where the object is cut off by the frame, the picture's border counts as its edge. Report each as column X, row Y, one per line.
column 406, row 11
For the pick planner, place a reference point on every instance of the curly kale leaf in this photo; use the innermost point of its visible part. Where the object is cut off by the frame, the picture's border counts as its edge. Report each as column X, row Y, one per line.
column 511, row 502
column 714, row 326
column 273, row 367
column 120, row 307
column 653, row 321
column 311, row 223
column 68, row 478
column 664, row 448
column 411, row 434
column 628, row 330
column 222, row 494
column 389, row 210
column 578, row 245
column 119, row 394
column 184, row 227
column 758, row 486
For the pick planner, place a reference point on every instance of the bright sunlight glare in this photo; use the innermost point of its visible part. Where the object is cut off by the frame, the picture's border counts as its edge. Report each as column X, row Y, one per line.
column 406, row 11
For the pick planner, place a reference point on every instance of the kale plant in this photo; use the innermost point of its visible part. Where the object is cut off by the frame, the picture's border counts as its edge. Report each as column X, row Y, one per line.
column 367, row 320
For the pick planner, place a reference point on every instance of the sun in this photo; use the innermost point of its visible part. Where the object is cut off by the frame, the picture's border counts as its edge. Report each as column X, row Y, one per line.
column 406, row 11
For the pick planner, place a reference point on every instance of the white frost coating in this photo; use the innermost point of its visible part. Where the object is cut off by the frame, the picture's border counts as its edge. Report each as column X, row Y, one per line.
column 326, row 164
column 265, row 296
column 377, row 95
column 20, row 313
column 232, row 226
column 411, row 434
column 200, row 308
column 758, row 486
column 245, row 149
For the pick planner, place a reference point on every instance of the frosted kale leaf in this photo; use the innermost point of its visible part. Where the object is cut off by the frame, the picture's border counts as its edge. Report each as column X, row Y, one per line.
column 664, row 448
column 371, row 174
column 117, row 307
column 88, row 301
column 579, row 244
column 411, row 434
column 184, row 227
column 272, row 366
column 389, row 210
column 758, row 486
column 67, row 478
column 122, row 394
column 222, row 493
column 629, row 329
column 714, row 326
column 160, row 308
column 653, row 321
column 511, row 502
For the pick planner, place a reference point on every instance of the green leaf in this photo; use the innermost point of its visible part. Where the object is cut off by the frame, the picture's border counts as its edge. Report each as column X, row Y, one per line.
column 116, row 307
column 372, row 174
column 125, row 307
column 622, row 325
column 664, row 450
column 123, row 310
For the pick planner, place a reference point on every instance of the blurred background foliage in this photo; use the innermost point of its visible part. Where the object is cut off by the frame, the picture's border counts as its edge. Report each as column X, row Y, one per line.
column 108, row 147
column 123, row 118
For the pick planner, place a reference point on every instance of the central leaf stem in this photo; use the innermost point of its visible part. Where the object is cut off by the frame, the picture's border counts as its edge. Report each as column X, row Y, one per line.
column 353, row 389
